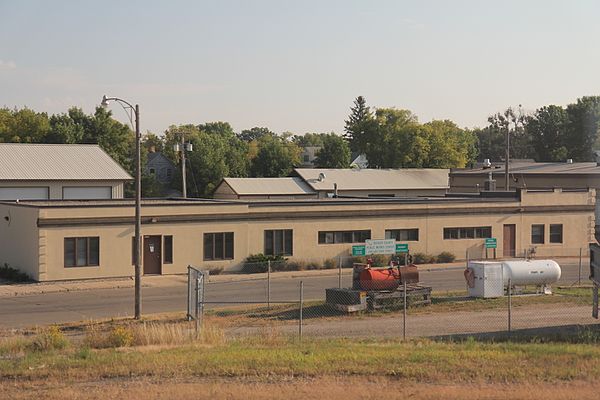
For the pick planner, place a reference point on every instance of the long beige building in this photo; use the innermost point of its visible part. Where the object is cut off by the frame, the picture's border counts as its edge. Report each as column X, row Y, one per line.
column 58, row 240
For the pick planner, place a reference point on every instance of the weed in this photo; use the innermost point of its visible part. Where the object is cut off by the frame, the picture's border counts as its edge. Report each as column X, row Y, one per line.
column 50, row 338
column 120, row 336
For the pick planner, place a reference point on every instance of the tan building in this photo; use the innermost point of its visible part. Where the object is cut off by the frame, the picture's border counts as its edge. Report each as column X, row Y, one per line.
column 56, row 240
column 263, row 188
column 59, row 171
column 529, row 175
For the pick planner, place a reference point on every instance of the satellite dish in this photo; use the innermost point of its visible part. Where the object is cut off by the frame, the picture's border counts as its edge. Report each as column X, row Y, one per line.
column 321, row 177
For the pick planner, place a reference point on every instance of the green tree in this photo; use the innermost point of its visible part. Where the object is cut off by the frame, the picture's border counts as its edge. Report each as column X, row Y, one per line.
column 547, row 128
column 582, row 132
column 492, row 139
column 335, row 152
column 276, row 157
column 310, row 139
column 360, row 127
column 150, row 141
column 248, row 135
column 398, row 141
column 449, row 145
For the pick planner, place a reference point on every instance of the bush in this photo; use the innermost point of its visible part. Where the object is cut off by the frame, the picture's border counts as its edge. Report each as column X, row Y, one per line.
column 379, row 260
column 446, row 257
column 214, row 270
column 294, row 266
column 50, row 338
column 120, row 336
column 313, row 266
column 329, row 264
column 257, row 263
column 422, row 258
column 12, row 274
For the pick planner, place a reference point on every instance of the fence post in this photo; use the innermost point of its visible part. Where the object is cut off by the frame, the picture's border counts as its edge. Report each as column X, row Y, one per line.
column 269, row 284
column 509, row 305
column 404, row 313
column 301, row 306
column 197, row 306
column 579, row 275
column 340, row 272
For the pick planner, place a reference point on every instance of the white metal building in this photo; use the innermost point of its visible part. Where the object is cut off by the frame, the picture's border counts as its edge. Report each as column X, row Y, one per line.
column 59, row 172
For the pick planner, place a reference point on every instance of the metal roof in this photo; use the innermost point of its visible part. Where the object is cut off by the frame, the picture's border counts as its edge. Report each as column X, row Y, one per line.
column 535, row 168
column 25, row 162
column 375, row 179
column 268, row 186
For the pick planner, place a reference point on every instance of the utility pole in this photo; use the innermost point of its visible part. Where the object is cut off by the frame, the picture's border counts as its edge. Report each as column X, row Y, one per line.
column 184, row 180
column 506, row 158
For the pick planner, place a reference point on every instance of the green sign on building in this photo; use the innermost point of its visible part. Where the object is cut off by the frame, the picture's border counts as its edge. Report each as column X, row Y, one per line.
column 401, row 247
column 490, row 243
column 358, row 250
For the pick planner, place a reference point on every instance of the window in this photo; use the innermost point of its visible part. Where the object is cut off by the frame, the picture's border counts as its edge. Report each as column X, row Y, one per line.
column 478, row 232
column 82, row 252
column 279, row 242
column 169, row 173
column 344, row 237
column 403, row 235
column 306, row 158
column 537, row 234
column 218, row 246
column 168, row 249
column 556, row 233
column 152, row 171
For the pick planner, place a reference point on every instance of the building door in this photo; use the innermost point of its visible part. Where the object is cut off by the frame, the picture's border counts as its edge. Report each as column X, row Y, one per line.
column 509, row 240
column 152, row 255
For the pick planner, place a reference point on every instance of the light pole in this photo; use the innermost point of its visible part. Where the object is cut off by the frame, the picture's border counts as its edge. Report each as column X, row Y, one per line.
column 128, row 107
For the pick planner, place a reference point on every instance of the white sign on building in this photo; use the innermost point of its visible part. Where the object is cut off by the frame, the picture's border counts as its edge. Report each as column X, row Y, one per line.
column 380, row 246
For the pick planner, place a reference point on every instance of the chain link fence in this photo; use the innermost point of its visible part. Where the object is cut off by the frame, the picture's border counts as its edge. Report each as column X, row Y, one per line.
column 331, row 302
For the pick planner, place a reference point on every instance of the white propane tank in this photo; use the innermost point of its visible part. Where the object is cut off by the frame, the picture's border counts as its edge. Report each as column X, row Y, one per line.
column 530, row 272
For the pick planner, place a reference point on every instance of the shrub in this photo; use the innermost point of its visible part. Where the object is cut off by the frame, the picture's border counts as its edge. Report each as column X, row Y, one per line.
column 257, row 263
column 313, row 265
column 50, row 338
column 422, row 258
column 120, row 336
column 329, row 264
column 214, row 270
column 12, row 274
column 295, row 266
column 379, row 260
column 359, row 260
column 446, row 257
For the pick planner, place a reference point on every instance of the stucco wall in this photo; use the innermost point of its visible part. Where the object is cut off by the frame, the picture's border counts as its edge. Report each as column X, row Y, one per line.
column 20, row 246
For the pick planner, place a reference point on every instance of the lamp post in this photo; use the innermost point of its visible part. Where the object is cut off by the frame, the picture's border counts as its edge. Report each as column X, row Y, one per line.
column 135, row 110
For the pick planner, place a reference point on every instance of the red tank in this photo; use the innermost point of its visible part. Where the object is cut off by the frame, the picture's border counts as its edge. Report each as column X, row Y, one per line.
column 379, row 279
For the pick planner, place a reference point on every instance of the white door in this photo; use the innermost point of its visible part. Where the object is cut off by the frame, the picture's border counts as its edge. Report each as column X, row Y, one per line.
column 87, row 192
column 24, row 193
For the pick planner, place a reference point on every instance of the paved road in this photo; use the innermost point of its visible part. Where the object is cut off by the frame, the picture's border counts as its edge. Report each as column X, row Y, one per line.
column 44, row 309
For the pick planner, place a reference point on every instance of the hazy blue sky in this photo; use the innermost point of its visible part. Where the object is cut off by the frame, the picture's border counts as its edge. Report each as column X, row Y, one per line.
column 297, row 65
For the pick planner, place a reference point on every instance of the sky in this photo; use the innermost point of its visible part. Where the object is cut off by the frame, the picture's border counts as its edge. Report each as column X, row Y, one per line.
column 297, row 65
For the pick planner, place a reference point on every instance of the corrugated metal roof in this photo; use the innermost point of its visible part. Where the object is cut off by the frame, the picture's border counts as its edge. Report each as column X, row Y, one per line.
column 375, row 179
column 535, row 168
column 25, row 161
column 268, row 186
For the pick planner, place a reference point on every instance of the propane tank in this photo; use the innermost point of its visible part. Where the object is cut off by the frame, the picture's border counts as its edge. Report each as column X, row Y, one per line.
column 530, row 272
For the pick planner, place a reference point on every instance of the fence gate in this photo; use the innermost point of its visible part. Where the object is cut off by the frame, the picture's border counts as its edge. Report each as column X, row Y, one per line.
column 195, row 306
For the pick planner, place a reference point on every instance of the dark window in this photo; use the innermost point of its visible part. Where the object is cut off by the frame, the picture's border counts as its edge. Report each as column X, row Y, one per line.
column 556, row 233
column 344, row 236
column 279, row 242
column 168, row 250
column 403, row 235
column 152, row 171
column 82, row 252
column 218, row 246
column 306, row 158
column 537, row 234
column 476, row 232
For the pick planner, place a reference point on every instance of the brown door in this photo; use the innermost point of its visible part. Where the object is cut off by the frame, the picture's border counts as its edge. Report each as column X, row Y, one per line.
column 509, row 240
column 152, row 255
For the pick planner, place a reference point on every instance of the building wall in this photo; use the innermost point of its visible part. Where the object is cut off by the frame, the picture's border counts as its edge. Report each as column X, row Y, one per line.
column 56, row 187
column 467, row 183
column 113, row 225
column 20, row 244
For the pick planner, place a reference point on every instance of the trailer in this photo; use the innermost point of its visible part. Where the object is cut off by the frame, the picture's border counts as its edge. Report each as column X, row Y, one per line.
column 377, row 288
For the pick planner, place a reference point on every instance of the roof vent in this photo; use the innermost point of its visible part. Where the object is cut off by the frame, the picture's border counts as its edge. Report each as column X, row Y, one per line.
column 321, row 177
column 487, row 163
column 569, row 161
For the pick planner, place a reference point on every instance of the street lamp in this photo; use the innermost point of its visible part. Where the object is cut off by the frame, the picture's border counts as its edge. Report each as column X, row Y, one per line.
column 134, row 111
column 183, row 147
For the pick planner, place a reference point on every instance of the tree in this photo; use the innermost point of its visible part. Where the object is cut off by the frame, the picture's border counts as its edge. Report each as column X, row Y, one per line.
column 449, row 145
column 310, row 139
column 492, row 139
column 582, row 131
column 335, row 153
column 150, row 141
column 248, row 135
column 276, row 157
column 360, row 127
column 547, row 128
